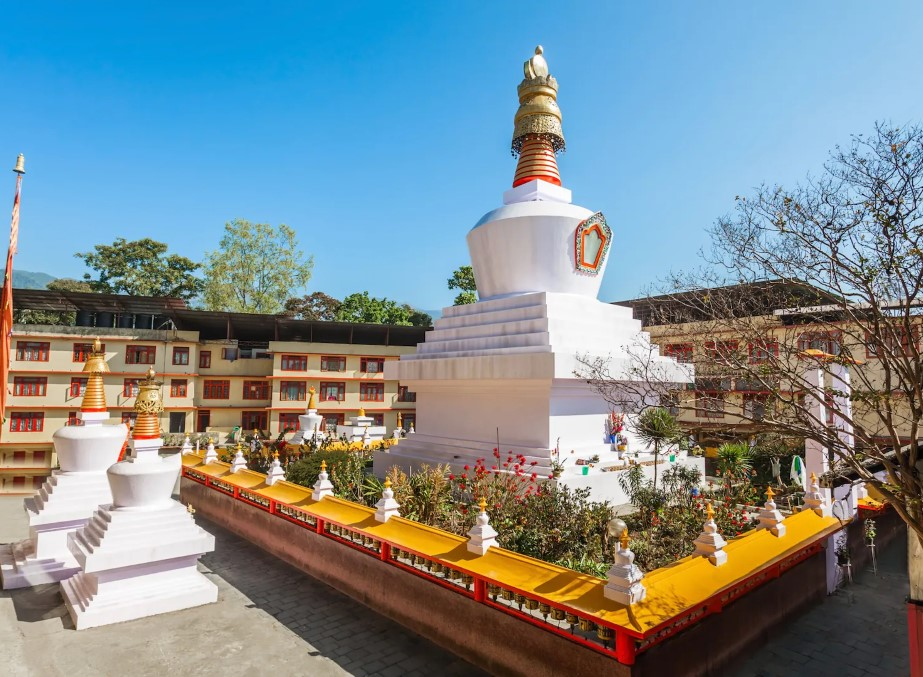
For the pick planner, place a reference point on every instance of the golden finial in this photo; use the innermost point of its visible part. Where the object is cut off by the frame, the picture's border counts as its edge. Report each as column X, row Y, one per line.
column 538, row 115
column 97, row 346
column 148, row 406
column 387, row 483
column 361, row 411
column 20, row 167
column 710, row 511
column 238, row 446
column 323, row 466
column 94, row 397
column 623, row 539
column 275, row 455
column 400, row 420
column 312, row 400
column 483, row 504
column 770, row 493
column 190, row 509
column 813, row 477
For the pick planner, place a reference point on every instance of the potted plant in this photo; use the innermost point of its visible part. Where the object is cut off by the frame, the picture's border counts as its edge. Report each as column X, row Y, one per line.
column 656, row 426
column 842, row 551
column 868, row 529
column 557, row 467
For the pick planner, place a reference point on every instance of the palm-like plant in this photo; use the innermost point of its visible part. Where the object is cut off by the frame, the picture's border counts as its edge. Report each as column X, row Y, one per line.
column 735, row 458
column 656, row 426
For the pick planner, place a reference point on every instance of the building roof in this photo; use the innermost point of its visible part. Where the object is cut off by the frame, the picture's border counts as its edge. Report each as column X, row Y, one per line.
column 175, row 313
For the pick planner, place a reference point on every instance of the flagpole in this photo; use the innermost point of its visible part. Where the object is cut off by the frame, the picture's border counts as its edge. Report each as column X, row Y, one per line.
column 6, row 298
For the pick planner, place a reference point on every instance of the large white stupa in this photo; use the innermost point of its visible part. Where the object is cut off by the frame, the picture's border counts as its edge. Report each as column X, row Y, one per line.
column 72, row 493
column 502, row 371
column 138, row 555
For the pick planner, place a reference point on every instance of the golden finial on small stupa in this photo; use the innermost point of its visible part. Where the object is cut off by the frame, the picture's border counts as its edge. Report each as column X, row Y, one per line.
column 623, row 539
column 323, row 466
column 312, row 399
column 94, row 397
column 387, row 483
column 710, row 511
column 770, row 493
column 238, row 448
column 190, row 509
column 813, row 477
column 483, row 504
column 148, row 406
column 275, row 455
column 361, row 412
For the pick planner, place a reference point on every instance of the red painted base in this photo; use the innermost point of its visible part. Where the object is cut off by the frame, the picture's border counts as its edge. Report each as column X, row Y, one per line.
column 915, row 636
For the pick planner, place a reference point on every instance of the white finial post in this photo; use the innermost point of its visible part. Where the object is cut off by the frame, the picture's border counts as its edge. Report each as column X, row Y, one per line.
column 276, row 472
column 411, row 431
column 710, row 542
column 239, row 463
column 624, row 575
column 365, row 437
column 187, row 445
column 323, row 486
column 210, row 454
column 387, row 507
column 770, row 517
column 482, row 536
column 814, row 498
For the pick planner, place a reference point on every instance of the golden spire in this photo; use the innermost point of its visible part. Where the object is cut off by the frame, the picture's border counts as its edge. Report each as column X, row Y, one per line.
column 400, row 420
column 94, row 397
column 483, row 504
column 148, row 406
column 770, row 493
column 387, row 483
column 323, row 466
column 537, row 130
column 623, row 539
column 710, row 512
column 362, row 411
column 312, row 400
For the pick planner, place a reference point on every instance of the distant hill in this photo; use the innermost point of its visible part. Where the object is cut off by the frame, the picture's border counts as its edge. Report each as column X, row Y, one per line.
column 25, row 279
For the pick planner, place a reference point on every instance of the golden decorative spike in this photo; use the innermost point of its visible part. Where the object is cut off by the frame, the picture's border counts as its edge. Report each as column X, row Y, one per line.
column 275, row 455
column 312, row 400
column 623, row 539
column 770, row 493
column 94, row 397
column 20, row 167
column 537, row 131
column 710, row 511
column 387, row 483
column 323, row 466
column 483, row 504
column 148, row 406
column 400, row 420
column 361, row 411
column 813, row 477
column 238, row 446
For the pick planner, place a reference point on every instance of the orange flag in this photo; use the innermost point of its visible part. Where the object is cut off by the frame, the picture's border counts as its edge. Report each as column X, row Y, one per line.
column 6, row 299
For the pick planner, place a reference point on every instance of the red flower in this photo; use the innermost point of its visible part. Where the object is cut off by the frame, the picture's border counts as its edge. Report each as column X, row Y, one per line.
column 466, row 468
column 451, row 477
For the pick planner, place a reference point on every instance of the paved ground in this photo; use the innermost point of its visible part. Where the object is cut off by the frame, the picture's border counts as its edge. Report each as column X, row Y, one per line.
column 269, row 618
column 861, row 630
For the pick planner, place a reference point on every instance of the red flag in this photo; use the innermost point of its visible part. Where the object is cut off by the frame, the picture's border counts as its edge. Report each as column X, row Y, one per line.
column 6, row 305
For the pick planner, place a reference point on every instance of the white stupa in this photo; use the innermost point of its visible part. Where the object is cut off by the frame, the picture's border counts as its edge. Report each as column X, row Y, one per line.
column 138, row 555
column 361, row 428
column 310, row 424
column 504, row 367
column 70, row 495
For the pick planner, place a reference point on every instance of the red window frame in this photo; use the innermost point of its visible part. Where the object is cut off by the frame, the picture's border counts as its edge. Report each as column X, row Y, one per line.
column 256, row 390
column 371, row 392
column 871, row 350
column 82, row 351
column 378, row 364
column 181, row 355
column 131, row 387
column 721, row 351
column 72, row 418
column 294, row 363
column 326, row 386
column 682, row 352
column 129, row 418
column 219, row 389
column 331, row 421
column 32, row 351
column 760, row 398
column 27, row 422
column 205, row 359
column 30, row 386
column 333, row 363
column 760, row 352
column 78, row 385
column 293, row 391
column 404, row 394
column 288, row 420
column 179, row 387
column 254, row 419
column 140, row 354
column 203, row 419
column 706, row 404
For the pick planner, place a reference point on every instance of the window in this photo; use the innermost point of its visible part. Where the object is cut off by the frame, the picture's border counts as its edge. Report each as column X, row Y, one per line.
column 824, row 341
column 72, row 418
column 331, row 421
column 896, row 341
column 177, row 421
column 250, row 420
column 129, row 418
column 290, row 391
column 32, row 351
column 256, row 390
column 140, row 354
column 328, row 363
column 229, row 353
column 205, row 359
column 288, row 421
column 372, row 392
column 38, row 458
column 332, row 391
column 754, row 406
column 203, row 420
column 408, row 420
column 681, row 351
column 27, row 422
column 372, row 365
column 30, row 386
column 82, row 351
column 78, row 386
column 216, row 390
column 19, row 458
column 709, row 405
column 294, row 363
column 378, row 419
column 404, row 395
column 762, row 350
column 178, row 387
column 670, row 402
column 721, row 351
column 130, row 387
column 181, row 356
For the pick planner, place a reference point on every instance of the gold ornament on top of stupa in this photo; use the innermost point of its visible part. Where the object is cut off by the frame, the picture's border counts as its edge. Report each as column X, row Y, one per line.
column 361, row 412
column 537, row 130
column 148, row 406
column 312, row 400
column 94, row 397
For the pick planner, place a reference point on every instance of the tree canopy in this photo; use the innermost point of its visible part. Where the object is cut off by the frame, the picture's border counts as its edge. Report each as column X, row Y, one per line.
column 463, row 280
column 314, row 306
column 255, row 269
column 360, row 307
column 141, row 268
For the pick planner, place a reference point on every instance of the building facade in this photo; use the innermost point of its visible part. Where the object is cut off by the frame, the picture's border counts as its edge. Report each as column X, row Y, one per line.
column 219, row 371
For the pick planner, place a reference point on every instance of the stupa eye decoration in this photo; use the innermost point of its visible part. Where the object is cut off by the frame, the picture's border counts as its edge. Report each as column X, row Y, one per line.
column 591, row 244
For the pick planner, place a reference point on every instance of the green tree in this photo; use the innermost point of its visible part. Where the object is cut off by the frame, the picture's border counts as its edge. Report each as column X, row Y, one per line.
column 657, row 426
column 417, row 317
column 463, row 280
column 255, row 268
column 314, row 306
column 141, row 268
column 360, row 307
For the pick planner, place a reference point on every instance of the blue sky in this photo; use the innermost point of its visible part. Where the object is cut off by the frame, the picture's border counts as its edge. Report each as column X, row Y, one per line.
column 381, row 131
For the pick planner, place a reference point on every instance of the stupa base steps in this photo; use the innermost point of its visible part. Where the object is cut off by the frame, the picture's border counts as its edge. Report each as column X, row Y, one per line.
column 67, row 496
column 21, row 568
column 93, row 600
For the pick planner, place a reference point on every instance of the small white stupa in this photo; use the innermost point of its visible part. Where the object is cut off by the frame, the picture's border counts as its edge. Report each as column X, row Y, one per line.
column 361, row 428
column 310, row 424
column 138, row 555
column 69, row 496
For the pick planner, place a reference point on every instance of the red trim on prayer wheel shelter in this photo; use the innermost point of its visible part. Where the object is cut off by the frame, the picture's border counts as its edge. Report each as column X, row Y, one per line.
column 537, row 161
